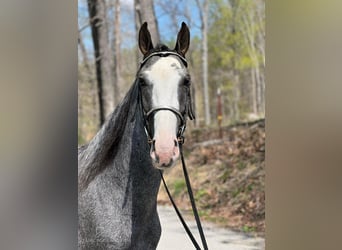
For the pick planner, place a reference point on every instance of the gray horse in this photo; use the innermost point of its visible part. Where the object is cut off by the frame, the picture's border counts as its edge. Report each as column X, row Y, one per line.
column 119, row 170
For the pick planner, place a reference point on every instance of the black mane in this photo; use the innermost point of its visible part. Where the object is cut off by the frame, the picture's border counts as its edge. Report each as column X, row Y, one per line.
column 93, row 156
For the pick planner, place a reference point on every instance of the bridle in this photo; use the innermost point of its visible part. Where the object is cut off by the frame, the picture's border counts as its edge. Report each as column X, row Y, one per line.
column 163, row 54
column 180, row 139
column 182, row 117
column 181, row 127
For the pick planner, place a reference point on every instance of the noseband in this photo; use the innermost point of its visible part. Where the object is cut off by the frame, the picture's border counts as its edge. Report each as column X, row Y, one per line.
column 181, row 128
column 152, row 112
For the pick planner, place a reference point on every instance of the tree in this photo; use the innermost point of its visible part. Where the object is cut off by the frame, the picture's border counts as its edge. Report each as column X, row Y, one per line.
column 236, row 43
column 98, row 22
column 144, row 12
column 85, row 59
column 251, row 31
column 204, row 30
column 117, row 51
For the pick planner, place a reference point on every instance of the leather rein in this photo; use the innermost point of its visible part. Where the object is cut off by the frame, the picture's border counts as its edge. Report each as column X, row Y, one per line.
column 180, row 139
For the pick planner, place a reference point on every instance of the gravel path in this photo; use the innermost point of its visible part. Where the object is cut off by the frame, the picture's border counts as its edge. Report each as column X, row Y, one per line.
column 174, row 236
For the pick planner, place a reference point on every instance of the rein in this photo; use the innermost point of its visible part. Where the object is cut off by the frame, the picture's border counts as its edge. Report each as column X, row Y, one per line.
column 193, row 205
column 180, row 139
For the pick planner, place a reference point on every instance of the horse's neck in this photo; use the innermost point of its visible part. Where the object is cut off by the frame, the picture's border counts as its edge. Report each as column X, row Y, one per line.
column 131, row 174
column 119, row 152
column 93, row 159
column 133, row 156
column 121, row 184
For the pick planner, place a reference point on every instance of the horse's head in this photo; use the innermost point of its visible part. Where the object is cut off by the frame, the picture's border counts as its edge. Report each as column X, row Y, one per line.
column 165, row 95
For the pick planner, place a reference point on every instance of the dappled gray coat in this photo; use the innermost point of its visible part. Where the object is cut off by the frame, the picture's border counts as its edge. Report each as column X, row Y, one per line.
column 118, row 185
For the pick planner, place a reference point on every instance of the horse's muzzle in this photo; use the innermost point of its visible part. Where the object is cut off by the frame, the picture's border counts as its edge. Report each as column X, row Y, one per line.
column 164, row 153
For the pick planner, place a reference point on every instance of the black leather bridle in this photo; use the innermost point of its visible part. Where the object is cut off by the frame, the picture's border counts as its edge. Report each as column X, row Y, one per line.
column 163, row 54
column 182, row 117
column 180, row 139
column 181, row 127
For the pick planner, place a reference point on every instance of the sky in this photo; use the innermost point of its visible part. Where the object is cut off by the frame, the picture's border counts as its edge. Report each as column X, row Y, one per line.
column 128, row 25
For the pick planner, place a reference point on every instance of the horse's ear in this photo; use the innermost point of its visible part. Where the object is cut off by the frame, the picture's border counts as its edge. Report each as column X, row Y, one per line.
column 145, row 41
column 183, row 40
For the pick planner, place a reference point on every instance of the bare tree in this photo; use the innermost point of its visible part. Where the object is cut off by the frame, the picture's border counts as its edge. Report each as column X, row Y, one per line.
column 171, row 9
column 203, row 6
column 117, row 51
column 98, row 22
column 236, row 76
column 85, row 59
column 248, row 32
column 144, row 12
column 252, row 30
column 88, row 72
column 260, row 44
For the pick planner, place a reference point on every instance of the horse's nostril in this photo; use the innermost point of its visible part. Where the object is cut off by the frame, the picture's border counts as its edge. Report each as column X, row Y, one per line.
column 176, row 143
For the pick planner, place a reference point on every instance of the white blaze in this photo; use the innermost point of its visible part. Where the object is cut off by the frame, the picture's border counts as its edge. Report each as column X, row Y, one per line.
column 164, row 76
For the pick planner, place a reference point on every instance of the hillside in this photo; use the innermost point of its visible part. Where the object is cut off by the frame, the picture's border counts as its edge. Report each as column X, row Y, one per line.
column 227, row 174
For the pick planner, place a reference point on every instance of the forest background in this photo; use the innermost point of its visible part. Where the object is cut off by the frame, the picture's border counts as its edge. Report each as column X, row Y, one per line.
column 226, row 56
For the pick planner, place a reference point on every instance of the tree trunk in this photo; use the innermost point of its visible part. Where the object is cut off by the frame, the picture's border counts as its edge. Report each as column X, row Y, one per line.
column 236, row 73
column 250, row 35
column 254, row 92
column 260, row 17
column 97, row 15
column 236, row 98
column 89, row 75
column 84, row 56
column 262, row 91
column 117, row 52
column 173, row 10
column 258, row 90
column 144, row 12
column 204, row 30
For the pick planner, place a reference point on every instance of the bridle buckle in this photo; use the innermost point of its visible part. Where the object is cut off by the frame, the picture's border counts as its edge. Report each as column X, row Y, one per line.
column 180, row 139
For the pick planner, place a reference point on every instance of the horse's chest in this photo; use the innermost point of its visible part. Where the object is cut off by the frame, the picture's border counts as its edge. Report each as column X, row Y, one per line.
column 114, row 219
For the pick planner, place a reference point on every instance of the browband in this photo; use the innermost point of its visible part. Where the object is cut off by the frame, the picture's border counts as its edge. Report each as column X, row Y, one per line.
column 164, row 54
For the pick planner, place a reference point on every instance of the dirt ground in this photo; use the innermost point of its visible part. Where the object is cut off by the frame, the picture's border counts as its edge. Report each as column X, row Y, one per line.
column 227, row 175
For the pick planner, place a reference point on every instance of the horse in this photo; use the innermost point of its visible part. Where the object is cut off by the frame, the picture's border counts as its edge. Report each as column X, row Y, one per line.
column 119, row 170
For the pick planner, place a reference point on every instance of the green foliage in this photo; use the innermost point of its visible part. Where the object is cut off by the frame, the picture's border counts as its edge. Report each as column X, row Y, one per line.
column 248, row 229
column 179, row 186
column 200, row 194
column 236, row 191
column 203, row 213
column 232, row 44
column 225, row 175
column 250, row 187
